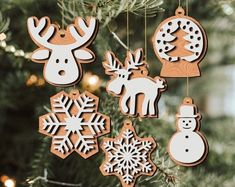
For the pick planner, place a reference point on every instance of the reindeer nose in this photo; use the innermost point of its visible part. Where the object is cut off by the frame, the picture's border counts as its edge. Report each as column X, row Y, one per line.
column 61, row 72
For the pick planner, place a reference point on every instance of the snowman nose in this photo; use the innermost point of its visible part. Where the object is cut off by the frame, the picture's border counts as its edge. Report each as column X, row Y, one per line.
column 186, row 124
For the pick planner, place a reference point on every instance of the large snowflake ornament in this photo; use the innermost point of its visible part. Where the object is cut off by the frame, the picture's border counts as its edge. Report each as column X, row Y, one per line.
column 128, row 156
column 74, row 124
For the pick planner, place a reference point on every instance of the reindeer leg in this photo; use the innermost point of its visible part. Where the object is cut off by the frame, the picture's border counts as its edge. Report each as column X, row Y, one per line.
column 132, row 105
column 124, row 103
column 152, row 108
column 145, row 106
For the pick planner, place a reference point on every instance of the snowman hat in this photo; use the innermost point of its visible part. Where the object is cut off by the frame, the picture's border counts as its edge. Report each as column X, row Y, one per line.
column 188, row 109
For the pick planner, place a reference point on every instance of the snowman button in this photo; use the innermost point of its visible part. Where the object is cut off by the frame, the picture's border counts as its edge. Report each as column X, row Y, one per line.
column 186, row 150
column 186, row 136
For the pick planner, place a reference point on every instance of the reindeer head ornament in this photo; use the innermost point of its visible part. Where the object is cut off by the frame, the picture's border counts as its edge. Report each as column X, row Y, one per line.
column 139, row 93
column 62, row 51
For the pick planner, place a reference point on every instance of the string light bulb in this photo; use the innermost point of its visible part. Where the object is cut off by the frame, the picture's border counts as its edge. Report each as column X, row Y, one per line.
column 2, row 36
column 8, row 182
column 91, row 82
column 40, row 82
column 227, row 8
column 33, row 80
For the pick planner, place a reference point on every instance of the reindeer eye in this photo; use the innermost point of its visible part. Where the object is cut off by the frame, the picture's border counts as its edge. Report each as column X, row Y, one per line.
column 57, row 61
column 66, row 61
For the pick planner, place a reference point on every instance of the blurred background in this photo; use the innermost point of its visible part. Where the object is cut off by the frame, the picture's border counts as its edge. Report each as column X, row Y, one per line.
column 24, row 95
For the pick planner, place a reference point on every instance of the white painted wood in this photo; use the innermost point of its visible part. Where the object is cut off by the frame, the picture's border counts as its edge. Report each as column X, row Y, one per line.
column 165, row 37
column 62, row 67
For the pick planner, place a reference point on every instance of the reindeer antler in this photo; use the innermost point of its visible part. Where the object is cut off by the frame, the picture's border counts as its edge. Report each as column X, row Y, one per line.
column 135, row 59
column 35, row 27
column 83, row 30
column 111, row 64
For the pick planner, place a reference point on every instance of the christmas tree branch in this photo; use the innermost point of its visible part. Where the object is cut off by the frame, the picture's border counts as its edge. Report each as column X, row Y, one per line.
column 48, row 181
column 4, row 23
column 106, row 10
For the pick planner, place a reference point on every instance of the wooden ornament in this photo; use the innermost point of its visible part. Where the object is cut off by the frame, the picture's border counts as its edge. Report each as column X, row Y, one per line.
column 180, row 43
column 127, row 156
column 74, row 124
column 139, row 94
column 188, row 146
column 62, row 51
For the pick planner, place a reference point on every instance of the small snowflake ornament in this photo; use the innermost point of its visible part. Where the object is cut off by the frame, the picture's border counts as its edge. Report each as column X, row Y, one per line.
column 128, row 156
column 62, row 51
column 180, row 43
column 74, row 124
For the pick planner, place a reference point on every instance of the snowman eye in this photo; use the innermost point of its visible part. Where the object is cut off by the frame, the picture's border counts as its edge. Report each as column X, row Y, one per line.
column 189, row 121
column 66, row 61
column 57, row 60
column 183, row 121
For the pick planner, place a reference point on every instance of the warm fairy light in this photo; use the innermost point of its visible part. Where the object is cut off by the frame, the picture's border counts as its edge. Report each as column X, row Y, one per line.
column 4, row 178
column 32, row 80
column 3, row 44
column 40, row 82
column 9, row 183
column 11, row 49
column 91, row 82
column 19, row 53
column 227, row 9
column 2, row 36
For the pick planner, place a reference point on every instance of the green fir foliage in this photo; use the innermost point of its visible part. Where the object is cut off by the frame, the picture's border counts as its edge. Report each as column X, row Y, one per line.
column 25, row 154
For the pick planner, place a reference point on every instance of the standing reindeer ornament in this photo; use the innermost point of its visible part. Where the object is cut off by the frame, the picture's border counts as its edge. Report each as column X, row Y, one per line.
column 139, row 93
column 62, row 51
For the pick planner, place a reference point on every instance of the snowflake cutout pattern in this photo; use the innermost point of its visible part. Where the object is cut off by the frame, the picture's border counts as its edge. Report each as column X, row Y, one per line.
column 128, row 156
column 74, row 124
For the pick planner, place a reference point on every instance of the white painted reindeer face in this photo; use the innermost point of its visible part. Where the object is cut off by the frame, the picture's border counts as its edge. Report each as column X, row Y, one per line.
column 122, row 74
column 61, row 67
column 117, row 84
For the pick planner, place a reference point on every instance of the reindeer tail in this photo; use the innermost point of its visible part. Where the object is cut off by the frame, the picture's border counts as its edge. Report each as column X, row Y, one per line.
column 156, row 78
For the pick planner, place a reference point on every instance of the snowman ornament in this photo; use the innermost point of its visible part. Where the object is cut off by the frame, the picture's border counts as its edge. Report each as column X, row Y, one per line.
column 188, row 146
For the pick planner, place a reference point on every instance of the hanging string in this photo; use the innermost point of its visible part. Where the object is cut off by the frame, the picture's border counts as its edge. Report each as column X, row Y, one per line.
column 63, row 14
column 187, row 84
column 145, row 33
column 179, row 2
column 127, row 27
column 187, row 11
column 74, row 9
